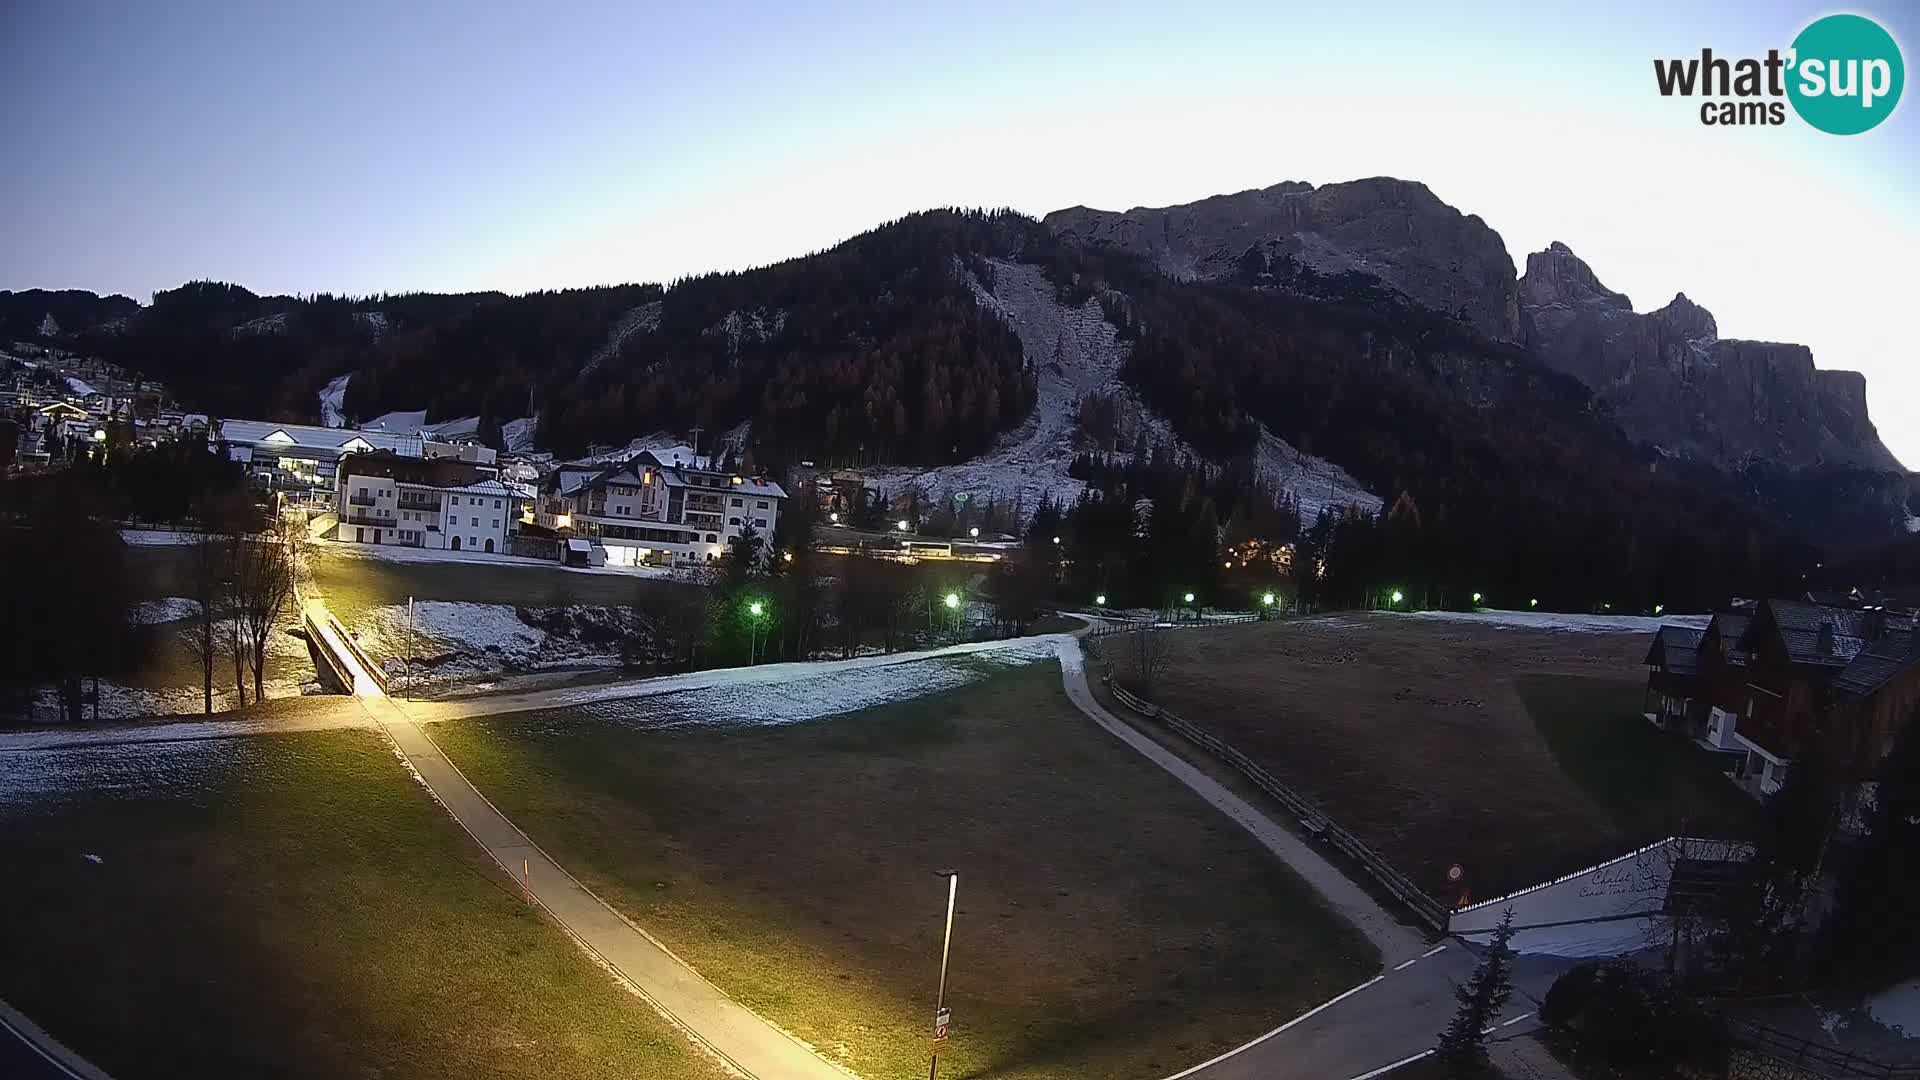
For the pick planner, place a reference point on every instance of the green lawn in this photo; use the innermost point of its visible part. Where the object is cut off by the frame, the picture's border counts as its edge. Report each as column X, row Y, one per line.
column 1110, row 923
column 291, row 906
column 1652, row 783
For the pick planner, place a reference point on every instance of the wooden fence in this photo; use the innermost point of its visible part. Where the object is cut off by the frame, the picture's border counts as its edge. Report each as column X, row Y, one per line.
column 1817, row 1058
column 1312, row 818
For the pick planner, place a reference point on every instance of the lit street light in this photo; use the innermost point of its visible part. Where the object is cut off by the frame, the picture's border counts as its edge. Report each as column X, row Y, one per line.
column 1101, row 600
column 974, row 532
column 1188, row 598
column 1398, row 596
column 1533, row 603
column 1476, row 599
column 1658, row 608
column 953, row 600
column 834, row 517
column 1267, row 599
column 903, row 524
column 754, row 610
column 1056, row 539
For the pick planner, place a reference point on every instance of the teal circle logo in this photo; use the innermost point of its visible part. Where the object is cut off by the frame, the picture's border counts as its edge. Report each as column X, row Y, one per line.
column 1846, row 74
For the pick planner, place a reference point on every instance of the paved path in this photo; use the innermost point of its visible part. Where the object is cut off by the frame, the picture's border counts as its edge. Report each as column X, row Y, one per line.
column 28, row 1053
column 1391, row 1018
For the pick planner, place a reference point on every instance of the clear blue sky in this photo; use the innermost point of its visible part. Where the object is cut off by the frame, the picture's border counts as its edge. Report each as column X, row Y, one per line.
column 373, row 147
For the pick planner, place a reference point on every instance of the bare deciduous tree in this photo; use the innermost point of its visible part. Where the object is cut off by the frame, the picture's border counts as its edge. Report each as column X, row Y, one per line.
column 264, row 567
column 1146, row 655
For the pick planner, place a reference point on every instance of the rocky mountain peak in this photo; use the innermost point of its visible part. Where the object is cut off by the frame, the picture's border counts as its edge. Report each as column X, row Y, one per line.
column 1398, row 231
column 1688, row 319
column 1558, row 276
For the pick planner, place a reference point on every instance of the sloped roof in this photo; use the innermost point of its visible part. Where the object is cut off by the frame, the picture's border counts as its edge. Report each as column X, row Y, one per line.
column 1896, row 651
column 1679, row 648
column 1802, row 626
column 1731, row 626
column 309, row 437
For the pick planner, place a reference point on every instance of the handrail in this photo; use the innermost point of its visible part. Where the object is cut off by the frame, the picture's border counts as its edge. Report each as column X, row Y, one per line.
column 1430, row 911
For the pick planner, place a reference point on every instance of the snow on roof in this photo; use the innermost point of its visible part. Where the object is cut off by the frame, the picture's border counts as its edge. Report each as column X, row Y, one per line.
column 80, row 388
column 334, row 440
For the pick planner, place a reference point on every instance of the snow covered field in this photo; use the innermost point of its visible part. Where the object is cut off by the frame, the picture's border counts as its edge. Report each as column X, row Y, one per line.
column 458, row 643
column 184, row 769
column 333, row 397
column 1549, row 620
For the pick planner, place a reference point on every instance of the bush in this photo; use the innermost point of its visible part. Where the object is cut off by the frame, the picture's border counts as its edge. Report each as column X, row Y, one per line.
column 1628, row 1016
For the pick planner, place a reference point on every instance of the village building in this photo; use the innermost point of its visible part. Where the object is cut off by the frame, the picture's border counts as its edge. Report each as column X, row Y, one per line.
column 446, row 503
column 1770, row 682
column 671, row 508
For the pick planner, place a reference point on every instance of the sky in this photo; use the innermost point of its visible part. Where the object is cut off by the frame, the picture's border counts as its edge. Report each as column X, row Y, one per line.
column 382, row 147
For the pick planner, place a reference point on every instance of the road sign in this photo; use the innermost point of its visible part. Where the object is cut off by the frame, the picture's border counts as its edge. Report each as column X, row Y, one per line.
column 941, row 1020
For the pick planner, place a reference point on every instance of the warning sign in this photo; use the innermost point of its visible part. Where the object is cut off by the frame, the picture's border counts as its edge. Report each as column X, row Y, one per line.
column 941, row 1021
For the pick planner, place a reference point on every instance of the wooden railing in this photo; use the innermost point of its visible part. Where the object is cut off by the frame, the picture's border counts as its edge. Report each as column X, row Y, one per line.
column 1311, row 817
column 1818, row 1058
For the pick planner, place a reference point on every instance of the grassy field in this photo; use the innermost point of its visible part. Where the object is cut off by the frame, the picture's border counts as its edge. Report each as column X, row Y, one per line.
column 1410, row 733
column 354, row 584
column 1110, row 923
column 1653, row 784
column 290, row 906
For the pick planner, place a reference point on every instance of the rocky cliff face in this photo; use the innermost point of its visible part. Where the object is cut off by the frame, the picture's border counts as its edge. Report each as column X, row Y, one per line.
column 1395, row 230
column 1672, row 381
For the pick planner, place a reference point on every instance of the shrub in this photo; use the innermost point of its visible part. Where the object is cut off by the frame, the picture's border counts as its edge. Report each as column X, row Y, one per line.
column 1634, row 1018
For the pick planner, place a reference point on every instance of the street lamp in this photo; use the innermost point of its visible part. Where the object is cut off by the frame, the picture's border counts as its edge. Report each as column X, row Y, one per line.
column 1267, row 599
column 1398, row 596
column 1533, row 603
column 1100, row 600
column 946, row 946
column 1476, row 599
column 834, row 517
column 974, row 532
column 1056, row 540
column 903, row 524
column 755, row 610
column 953, row 600
column 1658, row 608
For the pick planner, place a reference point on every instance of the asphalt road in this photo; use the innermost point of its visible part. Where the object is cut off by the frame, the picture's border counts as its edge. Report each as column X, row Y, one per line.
column 22, row 1059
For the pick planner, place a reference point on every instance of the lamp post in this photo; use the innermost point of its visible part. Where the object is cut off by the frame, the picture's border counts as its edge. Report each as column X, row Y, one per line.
column 946, row 946
column 409, row 648
column 754, row 611
column 953, row 605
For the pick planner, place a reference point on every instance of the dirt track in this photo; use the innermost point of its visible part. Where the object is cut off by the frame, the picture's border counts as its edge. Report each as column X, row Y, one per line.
column 1409, row 732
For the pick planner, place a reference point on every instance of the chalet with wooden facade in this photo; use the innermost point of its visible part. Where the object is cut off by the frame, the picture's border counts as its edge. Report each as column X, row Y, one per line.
column 1765, row 682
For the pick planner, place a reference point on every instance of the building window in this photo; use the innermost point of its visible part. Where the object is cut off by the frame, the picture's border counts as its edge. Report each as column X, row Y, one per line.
column 760, row 522
column 496, row 523
column 736, row 502
column 711, row 539
column 476, row 523
column 733, row 521
column 496, row 504
column 761, row 505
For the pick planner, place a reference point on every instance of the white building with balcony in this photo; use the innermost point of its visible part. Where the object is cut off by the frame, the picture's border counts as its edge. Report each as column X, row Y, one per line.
column 659, row 509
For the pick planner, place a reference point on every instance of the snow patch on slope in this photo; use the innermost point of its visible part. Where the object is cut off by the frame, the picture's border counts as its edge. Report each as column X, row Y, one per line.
column 78, row 388
column 1582, row 624
column 333, row 400
column 644, row 319
column 1316, row 482
column 165, row 610
column 1913, row 523
column 455, row 642
column 1073, row 352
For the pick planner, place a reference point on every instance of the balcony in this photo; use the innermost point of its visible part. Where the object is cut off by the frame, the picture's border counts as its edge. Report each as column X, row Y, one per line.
column 417, row 502
column 361, row 500
column 357, row 518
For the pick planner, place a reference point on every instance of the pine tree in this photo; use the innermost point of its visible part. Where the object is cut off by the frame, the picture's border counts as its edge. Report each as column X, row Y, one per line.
column 1462, row 1046
column 1871, row 930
